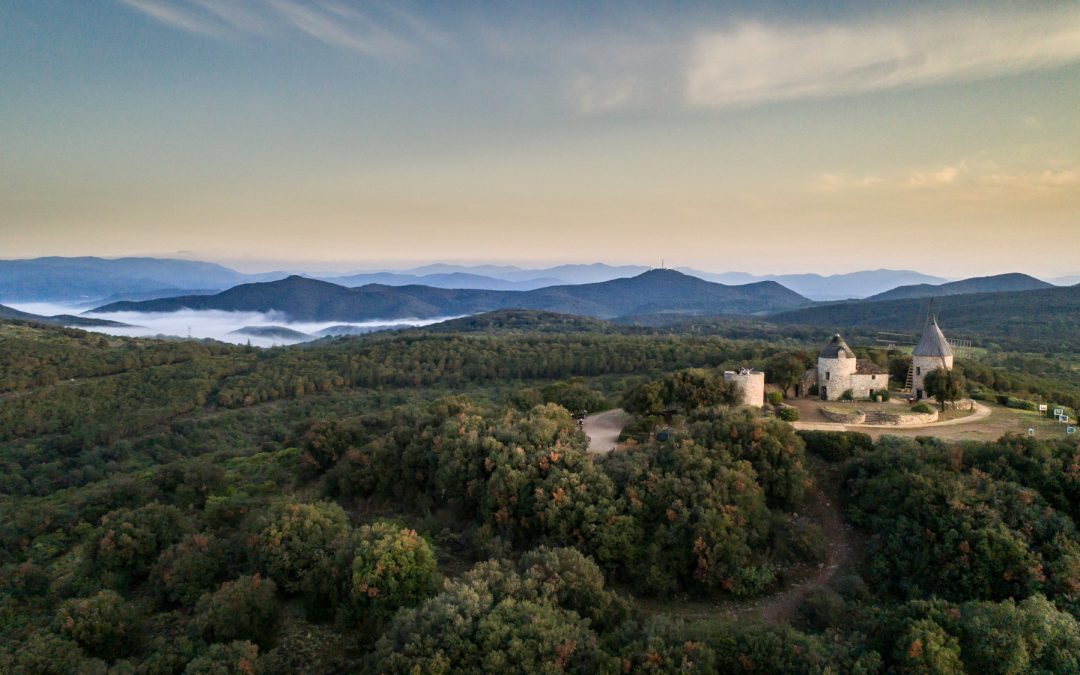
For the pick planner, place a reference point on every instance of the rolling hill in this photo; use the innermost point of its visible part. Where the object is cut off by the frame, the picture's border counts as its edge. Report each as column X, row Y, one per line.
column 302, row 299
column 520, row 320
column 57, row 320
column 1000, row 283
column 1040, row 319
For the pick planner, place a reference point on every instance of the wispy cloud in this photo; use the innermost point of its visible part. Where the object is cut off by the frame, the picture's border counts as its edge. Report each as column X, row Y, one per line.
column 175, row 17
column 966, row 178
column 596, row 95
column 367, row 28
column 757, row 62
column 340, row 26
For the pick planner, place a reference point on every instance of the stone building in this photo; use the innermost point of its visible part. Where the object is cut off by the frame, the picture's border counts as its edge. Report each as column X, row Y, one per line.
column 838, row 371
column 932, row 352
column 752, row 383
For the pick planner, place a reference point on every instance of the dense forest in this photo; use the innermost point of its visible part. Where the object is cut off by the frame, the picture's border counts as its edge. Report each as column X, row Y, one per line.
column 425, row 501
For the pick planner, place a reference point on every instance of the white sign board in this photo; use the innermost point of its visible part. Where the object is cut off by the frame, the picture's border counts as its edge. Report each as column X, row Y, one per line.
column 1031, row 431
column 1042, row 407
column 1071, row 430
column 1058, row 412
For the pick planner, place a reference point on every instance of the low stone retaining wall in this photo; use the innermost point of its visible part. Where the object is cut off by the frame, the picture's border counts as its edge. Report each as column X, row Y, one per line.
column 903, row 419
column 843, row 416
column 962, row 404
column 878, row 417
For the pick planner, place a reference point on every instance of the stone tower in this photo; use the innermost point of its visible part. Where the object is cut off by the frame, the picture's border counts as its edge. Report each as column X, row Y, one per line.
column 752, row 383
column 932, row 352
column 836, row 366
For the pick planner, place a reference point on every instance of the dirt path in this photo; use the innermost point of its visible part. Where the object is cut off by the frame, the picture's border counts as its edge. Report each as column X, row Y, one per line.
column 603, row 429
column 825, row 512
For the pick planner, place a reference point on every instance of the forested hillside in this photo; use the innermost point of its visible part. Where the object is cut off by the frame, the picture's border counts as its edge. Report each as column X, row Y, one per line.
column 424, row 502
column 1043, row 319
column 1000, row 283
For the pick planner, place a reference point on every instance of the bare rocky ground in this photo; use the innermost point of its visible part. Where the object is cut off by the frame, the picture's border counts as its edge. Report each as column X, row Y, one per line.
column 603, row 429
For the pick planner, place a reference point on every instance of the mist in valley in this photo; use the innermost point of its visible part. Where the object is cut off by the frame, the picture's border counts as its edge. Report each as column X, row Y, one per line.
column 217, row 325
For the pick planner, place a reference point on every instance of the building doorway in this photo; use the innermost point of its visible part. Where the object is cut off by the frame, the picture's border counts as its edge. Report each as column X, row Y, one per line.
column 824, row 394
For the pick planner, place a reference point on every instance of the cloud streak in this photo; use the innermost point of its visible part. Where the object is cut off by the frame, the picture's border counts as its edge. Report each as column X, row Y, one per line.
column 754, row 63
column 175, row 17
column 362, row 28
column 965, row 178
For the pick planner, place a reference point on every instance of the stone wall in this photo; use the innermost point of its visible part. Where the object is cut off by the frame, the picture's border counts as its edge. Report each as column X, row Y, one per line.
column 752, row 384
column 861, row 385
column 906, row 418
column 843, row 416
column 877, row 417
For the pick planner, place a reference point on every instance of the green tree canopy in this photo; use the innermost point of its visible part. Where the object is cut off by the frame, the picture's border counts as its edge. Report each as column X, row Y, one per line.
column 945, row 385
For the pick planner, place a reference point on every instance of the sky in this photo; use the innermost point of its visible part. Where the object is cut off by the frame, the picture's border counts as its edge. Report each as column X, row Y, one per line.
column 766, row 137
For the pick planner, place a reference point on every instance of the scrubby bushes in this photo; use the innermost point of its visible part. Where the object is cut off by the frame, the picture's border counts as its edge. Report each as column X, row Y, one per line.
column 773, row 450
column 922, row 408
column 799, row 542
column 575, row 396
column 684, row 390
column 836, row 446
column 127, row 543
column 701, row 534
column 244, row 609
column 788, row 414
column 501, row 618
column 235, row 658
column 941, row 527
column 296, row 537
column 105, row 625
column 46, row 653
column 187, row 569
column 392, row 567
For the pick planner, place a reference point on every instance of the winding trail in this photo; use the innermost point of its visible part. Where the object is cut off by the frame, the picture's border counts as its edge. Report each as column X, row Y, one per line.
column 603, row 429
column 825, row 512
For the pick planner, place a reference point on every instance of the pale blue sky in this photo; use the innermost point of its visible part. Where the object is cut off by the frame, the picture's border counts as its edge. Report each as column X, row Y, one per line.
column 718, row 135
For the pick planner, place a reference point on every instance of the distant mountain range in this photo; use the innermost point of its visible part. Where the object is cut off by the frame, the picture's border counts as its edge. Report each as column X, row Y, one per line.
column 832, row 287
column 1001, row 283
column 90, row 282
column 447, row 280
column 812, row 286
column 87, row 279
column 303, row 299
column 96, row 281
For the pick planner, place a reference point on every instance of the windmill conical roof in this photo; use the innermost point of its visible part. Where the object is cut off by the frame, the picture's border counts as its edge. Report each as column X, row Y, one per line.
column 835, row 347
column 933, row 342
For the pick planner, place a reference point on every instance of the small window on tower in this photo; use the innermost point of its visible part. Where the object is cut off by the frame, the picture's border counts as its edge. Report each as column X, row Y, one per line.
column 918, row 370
column 827, row 374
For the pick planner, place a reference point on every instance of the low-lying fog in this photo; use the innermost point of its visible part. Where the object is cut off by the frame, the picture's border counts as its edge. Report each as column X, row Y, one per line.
column 217, row 325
